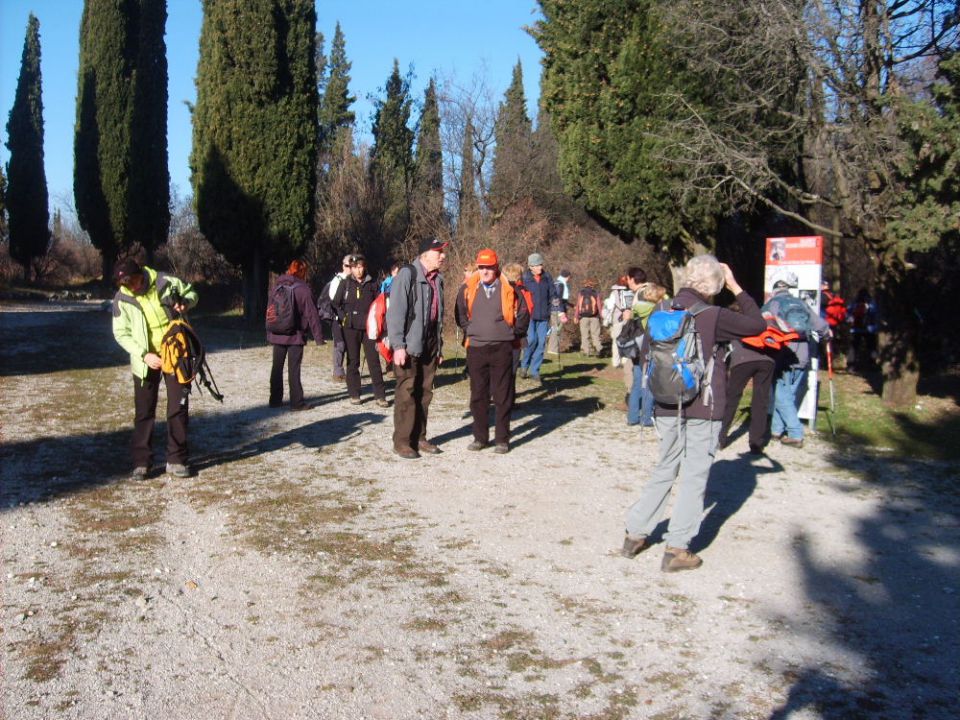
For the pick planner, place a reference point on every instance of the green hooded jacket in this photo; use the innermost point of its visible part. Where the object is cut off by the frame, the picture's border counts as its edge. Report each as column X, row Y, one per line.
column 130, row 327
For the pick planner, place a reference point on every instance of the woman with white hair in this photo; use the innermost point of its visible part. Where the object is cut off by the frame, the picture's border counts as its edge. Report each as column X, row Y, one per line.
column 688, row 434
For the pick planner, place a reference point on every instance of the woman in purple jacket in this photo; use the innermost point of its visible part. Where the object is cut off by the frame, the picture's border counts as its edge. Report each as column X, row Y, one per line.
column 290, row 346
column 689, row 435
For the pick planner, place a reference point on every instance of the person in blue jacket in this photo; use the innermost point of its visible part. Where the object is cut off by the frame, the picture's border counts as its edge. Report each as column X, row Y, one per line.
column 543, row 290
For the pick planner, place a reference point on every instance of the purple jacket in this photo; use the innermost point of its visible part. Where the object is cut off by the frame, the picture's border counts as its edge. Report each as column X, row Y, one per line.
column 306, row 312
column 716, row 326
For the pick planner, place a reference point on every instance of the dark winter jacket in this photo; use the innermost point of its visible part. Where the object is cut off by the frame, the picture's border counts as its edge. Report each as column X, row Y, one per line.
column 716, row 326
column 352, row 301
column 307, row 316
column 408, row 317
column 545, row 297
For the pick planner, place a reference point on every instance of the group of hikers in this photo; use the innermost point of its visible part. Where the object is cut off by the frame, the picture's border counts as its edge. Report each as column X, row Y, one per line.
column 686, row 361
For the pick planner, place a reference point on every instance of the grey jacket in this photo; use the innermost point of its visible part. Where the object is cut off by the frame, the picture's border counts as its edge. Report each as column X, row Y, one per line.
column 409, row 311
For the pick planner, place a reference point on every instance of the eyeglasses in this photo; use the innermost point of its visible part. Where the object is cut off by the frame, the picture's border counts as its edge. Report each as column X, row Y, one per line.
column 486, row 267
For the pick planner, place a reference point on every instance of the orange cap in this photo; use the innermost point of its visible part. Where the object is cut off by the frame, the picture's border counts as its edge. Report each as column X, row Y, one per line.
column 487, row 257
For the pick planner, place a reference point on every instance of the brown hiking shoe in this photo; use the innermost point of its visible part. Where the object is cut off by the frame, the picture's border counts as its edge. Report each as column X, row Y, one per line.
column 679, row 559
column 792, row 442
column 633, row 545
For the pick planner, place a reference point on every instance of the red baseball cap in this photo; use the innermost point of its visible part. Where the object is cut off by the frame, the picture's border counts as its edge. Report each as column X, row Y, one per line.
column 487, row 257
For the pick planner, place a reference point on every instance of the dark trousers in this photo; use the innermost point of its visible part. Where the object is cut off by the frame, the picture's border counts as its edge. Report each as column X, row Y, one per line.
column 339, row 348
column 281, row 353
column 762, row 374
column 145, row 409
column 491, row 376
column 411, row 400
column 355, row 339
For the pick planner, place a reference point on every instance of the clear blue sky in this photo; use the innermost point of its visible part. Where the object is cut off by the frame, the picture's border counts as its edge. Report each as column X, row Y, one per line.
column 436, row 37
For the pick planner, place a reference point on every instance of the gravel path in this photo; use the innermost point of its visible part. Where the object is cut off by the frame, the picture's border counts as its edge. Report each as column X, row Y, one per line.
column 306, row 572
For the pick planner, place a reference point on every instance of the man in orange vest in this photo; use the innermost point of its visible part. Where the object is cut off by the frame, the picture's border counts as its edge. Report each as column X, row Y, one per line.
column 494, row 317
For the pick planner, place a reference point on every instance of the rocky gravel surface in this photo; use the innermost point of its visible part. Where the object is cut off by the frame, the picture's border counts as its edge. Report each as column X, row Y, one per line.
column 305, row 571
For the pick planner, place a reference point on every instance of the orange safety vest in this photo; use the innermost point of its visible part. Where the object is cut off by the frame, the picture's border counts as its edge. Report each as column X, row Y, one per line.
column 508, row 300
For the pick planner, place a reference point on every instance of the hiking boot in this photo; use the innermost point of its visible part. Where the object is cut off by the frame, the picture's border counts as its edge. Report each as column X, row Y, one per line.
column 407, row 453
column 476, row 445
column 302, row 407
column 140, row 473
column 792, row 442
column 356, row 401
column 675, row 559
column 178, row 470
column 276, row 403
column 429, row 448
column 340, row 378
column 523, row 373
column 756, row 449
column 383, row 402
column 633, row 545
column 502, row 448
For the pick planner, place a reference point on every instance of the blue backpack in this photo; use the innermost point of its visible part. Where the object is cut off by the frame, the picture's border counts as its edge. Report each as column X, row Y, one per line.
column 676, row 371
column 791, row 313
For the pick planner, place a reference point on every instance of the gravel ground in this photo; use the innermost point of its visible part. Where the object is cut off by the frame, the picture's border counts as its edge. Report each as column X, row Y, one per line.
column 306, row 572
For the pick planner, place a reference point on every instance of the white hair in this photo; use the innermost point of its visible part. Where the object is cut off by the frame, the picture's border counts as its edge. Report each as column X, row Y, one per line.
column 704, row 274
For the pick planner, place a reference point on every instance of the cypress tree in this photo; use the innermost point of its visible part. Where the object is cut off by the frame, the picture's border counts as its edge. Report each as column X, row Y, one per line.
column 3, row 205
column 514, row 151
column 391, row 161
column 255, row 135
column 428, row 167
column 468, row 203
column 26, row 194
column 335, row 103
column 121, row 182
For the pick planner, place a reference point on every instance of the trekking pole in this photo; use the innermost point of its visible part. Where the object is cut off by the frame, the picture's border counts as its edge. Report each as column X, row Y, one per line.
column 833, row 410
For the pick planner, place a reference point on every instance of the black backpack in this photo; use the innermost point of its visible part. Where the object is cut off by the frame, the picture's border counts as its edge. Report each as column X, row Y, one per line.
column 282, row 311
column 588, row 303
column 325, row 308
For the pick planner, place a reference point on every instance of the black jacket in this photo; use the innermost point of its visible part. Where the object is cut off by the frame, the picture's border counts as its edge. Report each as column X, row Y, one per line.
column 352, row 301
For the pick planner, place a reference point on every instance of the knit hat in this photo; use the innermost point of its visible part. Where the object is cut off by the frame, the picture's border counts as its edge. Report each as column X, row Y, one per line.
column 535, row 259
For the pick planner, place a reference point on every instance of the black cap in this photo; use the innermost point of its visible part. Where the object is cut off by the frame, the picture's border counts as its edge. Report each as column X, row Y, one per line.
column 125, row 270
column 432, row 243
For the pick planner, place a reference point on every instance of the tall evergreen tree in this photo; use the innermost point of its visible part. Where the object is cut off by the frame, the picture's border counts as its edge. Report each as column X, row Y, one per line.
column 468, row 202
column 255, row 135
column 514, row 152
column 121, row 181
column 336, row 100
column 3, row 205
column 605, row 75
column 26, row 194
column 427, row 198
column 391, row 161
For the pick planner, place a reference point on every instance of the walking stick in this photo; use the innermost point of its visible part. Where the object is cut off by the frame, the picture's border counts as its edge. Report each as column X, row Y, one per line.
column 833, row 408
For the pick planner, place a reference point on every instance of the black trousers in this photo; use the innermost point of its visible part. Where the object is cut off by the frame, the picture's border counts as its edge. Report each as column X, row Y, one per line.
column 281, row 353
column 762, row 373
column 491, row 376
column 145, row 409
column 355, row 339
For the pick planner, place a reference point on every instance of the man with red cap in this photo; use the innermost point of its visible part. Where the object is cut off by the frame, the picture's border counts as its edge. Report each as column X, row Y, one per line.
column 494, row 317
column 415, row 332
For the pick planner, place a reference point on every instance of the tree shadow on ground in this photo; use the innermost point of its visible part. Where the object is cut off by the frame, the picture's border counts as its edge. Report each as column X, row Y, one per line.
column 78, row 338
column 50, row 468
column 891, row 604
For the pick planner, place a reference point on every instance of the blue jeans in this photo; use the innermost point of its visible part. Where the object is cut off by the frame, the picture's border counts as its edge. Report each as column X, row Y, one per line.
column 789, row 387
column 536, row 345
column 640, row 400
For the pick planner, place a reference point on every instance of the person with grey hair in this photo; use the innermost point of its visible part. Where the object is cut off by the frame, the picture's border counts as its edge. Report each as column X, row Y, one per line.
column 689, row 434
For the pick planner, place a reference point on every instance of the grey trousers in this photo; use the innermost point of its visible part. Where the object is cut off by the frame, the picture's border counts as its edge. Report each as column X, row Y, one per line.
column 686, row 454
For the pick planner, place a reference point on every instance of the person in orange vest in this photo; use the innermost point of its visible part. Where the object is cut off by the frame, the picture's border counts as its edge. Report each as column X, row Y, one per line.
column 494, row 316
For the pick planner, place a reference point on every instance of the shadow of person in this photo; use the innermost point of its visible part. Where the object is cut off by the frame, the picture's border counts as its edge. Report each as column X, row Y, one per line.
column 731, row 484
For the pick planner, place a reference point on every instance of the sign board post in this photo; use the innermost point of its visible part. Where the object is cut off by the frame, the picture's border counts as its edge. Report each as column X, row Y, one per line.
column 803, row 256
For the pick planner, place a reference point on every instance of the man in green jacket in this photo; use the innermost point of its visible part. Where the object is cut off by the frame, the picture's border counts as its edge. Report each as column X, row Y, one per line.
column 145, row 302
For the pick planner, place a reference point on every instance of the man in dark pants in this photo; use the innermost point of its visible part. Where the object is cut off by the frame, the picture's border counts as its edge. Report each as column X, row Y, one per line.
column 415, row 331
column 289, row 347
column 142, row 308
column 746, row 363
column 494, row 318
